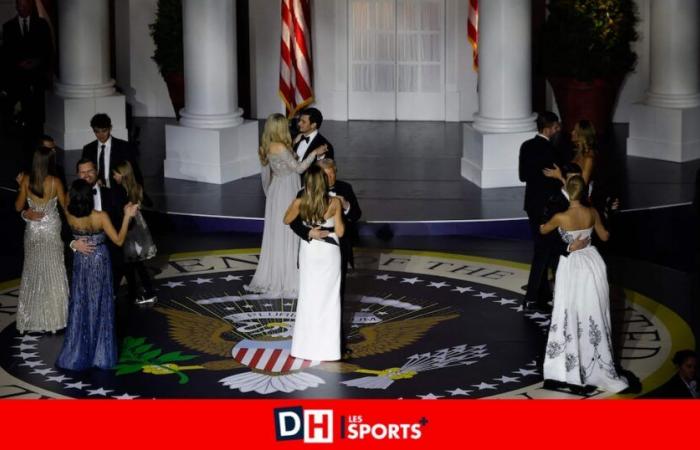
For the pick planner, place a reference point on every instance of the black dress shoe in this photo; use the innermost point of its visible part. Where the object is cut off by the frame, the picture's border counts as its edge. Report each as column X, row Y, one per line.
column 537, row 306
column 554, row 385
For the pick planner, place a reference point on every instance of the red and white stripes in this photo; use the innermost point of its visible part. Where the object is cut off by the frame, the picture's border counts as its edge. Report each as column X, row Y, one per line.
column 295, row 85
column 473, row 32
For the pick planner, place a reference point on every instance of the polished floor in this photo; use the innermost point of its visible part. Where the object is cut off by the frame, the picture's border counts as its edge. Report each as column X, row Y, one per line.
column 401, row 172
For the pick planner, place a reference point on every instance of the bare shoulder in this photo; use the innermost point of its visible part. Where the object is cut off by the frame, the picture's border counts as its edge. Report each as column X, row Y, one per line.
column 277, row 147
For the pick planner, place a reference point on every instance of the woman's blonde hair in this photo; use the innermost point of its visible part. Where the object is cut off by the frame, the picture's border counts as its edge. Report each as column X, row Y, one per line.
column 314, row 200
column 276, row 130
column 134, row 191
column 585, row 137
column 575, row 186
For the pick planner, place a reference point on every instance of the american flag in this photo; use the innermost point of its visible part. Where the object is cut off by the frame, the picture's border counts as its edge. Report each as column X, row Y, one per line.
column 473, row 32
column 296, row 69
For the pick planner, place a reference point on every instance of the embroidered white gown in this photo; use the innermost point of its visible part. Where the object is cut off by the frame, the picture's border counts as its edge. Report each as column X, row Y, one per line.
column 579, row 347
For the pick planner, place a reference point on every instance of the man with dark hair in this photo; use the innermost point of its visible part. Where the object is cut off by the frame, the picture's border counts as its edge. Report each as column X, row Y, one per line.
column 351, row 214
column 309, row 138
column 536, row 155
column 111, row 201
column 107, row 152
column 26, row 58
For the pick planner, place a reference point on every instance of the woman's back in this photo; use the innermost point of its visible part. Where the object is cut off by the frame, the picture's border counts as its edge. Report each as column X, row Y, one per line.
column 89, row 224
column 577, row 217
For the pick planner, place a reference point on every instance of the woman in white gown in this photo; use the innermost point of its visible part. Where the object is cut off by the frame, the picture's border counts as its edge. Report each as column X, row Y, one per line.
column 277, row 274
column 317, row 322
column 579, row 347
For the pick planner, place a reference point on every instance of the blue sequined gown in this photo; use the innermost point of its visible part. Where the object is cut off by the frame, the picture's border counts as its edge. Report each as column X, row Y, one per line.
column 89, row 339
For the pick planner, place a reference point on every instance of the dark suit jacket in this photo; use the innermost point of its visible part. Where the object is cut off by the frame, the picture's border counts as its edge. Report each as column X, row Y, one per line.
column 33, row 45
column 120, row 151
column 318, row 141
column 537, row 154
column 674, row 388
column 696, row 199
column 556, row 203
column 350, row 219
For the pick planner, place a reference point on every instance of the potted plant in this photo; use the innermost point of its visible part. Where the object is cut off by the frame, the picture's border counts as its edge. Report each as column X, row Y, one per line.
column 587, row 52
column 166, row 32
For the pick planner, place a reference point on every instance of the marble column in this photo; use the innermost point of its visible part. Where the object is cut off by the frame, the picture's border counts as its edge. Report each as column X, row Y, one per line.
column 664, row 125
column 212, row 142
column 84, row 85
column 505, row 118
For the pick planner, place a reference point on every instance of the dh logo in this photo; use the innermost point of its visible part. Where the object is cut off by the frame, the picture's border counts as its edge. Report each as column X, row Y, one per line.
column 314, row 426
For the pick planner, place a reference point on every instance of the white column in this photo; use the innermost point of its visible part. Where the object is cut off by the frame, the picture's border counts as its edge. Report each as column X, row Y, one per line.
column 84, row 86
column 664, row 125
column 505, row 98
column 675, row 48
column 212, row 143
column 211, row 76
column 505, row 119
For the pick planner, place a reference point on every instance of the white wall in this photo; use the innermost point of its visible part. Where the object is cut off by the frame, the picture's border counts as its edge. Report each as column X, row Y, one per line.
column 330, row 58
column 137, row 74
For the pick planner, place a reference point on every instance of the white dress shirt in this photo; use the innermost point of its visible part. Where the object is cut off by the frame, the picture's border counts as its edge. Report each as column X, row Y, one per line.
column 97, row 198
column 303, row 146
column 24, row 25
column 108, row 150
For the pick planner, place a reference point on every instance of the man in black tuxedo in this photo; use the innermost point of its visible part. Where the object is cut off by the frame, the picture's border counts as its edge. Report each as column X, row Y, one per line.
column 108, row 151
column 351, row 214
column 111, row 201
column 26, row 57
column 309, row 138
column 536, row 155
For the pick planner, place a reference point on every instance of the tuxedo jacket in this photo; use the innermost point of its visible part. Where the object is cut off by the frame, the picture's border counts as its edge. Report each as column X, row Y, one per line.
column 350, row 219
column 36, row 44
column 317, row 141
column 120, row 151
column 675, row 388
column 537, row 154
column 556, row 203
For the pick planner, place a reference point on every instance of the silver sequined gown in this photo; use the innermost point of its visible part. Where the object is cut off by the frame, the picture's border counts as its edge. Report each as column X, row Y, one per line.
column 43, row 293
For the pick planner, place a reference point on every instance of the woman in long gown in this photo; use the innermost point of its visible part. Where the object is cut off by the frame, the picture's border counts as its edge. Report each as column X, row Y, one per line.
column 90, row 340
column 583, row 136
column 316, row 335
column 43, row 292
column 579, row 347
column 277, row 273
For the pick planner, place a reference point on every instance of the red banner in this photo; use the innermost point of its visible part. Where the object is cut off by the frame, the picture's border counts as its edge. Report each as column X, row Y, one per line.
column 348, row 424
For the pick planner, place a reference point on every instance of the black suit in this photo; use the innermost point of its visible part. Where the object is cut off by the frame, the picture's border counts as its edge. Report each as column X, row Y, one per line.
column 26, row 84
column 350, row 219
column 316, row 142
column 537, row 154
column 120, row 151
column 675, row 388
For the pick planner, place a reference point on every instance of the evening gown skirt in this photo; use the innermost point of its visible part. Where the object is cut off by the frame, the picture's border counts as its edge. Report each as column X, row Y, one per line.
column 316, row 334
column 579, row 346
column 89, row 339
column 277, row 274
column 43, row 293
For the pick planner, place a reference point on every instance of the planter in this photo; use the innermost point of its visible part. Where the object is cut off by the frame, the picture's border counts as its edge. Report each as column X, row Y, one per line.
column 592, row 100
column 176, row 90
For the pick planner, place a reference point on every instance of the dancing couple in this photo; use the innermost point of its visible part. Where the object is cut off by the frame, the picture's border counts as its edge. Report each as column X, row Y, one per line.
column 307, row 265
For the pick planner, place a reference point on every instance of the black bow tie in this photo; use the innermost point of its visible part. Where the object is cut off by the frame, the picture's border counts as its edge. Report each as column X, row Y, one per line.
column 94, row 191
column 305, row 139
